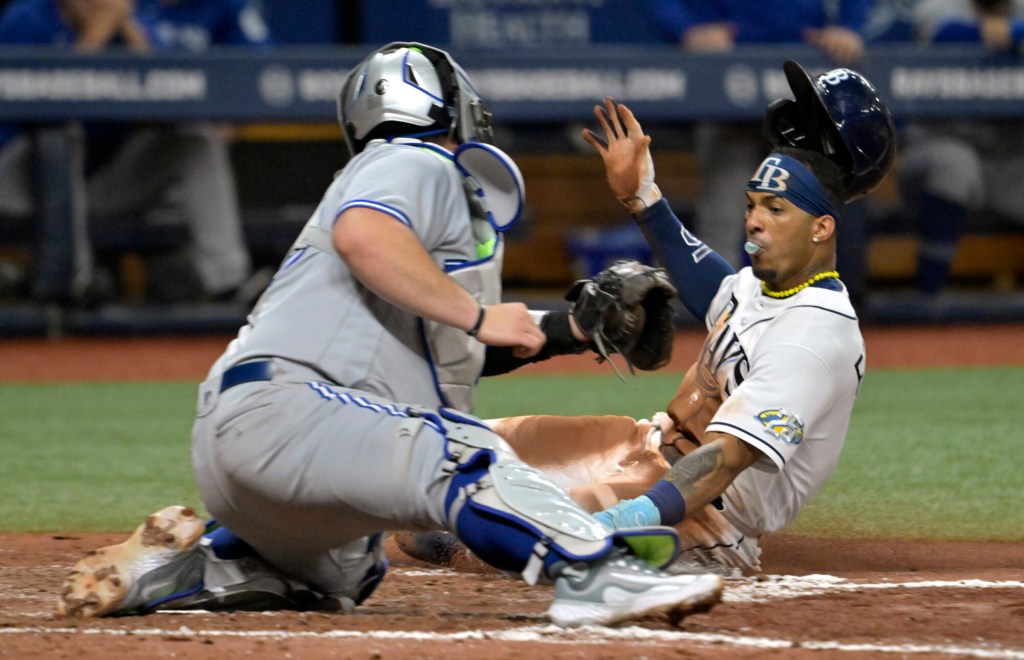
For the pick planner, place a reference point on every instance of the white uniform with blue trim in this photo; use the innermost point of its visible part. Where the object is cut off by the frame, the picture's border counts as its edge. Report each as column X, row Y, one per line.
column 787, row 371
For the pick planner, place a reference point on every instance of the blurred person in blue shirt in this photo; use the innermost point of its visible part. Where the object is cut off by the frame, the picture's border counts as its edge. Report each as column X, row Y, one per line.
column 727, row 152
column 195, row 25
column 955, row 172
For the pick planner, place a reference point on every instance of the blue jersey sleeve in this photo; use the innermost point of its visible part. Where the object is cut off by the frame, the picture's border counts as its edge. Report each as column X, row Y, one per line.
column 957, row 32
column 695, row 269
column 33, row 23
column 854, row 14
column 670, row 17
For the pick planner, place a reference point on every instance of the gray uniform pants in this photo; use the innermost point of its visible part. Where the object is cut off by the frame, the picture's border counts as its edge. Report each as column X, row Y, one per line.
column 307, row 473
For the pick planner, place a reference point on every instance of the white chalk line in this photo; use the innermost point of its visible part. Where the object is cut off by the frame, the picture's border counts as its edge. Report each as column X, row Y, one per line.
column 778, row 587
column 762, row 590
column 546, row 634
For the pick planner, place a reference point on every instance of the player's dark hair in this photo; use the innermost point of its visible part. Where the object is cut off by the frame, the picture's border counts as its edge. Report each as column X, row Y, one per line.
column 823, row 168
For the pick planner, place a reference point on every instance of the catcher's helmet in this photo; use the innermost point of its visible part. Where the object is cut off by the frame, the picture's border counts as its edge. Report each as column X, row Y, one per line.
column 840, row 115
column 411, row 89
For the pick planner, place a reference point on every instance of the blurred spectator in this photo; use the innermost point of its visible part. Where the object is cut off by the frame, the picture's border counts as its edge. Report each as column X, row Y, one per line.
column 952, row 169
column 728, row 152
column 221, row 255
column 42, row 172
column 890, row 21
column 115, row 169
column 195, row 25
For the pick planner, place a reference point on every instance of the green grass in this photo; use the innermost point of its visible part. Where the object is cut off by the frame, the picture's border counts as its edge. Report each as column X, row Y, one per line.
column 930, row 454
column 93, row 456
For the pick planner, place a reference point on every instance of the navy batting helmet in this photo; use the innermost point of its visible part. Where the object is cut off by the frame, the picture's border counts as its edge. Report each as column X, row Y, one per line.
column 411, row 89
column 840, row 115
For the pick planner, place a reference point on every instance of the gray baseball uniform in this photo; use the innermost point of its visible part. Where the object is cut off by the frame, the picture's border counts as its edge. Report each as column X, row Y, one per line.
column 330, row 418
column 333, row 459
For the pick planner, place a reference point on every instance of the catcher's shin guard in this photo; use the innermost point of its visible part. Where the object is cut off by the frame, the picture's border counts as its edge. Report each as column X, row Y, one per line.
column 516, row 519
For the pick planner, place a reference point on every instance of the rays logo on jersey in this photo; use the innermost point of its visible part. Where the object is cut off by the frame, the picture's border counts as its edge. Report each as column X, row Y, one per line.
column 723, row 363
column 782, row 425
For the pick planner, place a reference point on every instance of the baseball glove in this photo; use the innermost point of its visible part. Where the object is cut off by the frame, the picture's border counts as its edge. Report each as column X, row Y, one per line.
column 627, row 309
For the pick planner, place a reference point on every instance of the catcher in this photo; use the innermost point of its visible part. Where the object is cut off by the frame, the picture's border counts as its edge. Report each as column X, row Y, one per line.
column 759, row 421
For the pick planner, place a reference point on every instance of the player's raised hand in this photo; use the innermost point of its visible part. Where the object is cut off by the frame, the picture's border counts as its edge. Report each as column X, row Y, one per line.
column 626, row 153
column 511, row 324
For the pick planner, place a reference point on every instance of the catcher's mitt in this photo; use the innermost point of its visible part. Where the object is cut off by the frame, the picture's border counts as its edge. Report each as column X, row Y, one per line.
column 627, row 309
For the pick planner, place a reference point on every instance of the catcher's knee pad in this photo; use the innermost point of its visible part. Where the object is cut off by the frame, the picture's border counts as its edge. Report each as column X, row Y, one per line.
column 509, row 514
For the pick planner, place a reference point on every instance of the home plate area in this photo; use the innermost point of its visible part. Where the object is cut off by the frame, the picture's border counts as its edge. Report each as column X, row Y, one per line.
column 880, row 599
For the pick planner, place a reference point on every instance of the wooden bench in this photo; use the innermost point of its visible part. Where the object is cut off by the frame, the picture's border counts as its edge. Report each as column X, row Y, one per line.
column 997, row 258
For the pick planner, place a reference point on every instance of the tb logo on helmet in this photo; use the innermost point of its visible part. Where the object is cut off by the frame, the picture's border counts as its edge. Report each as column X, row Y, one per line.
column 770, row 177
column 835, row 76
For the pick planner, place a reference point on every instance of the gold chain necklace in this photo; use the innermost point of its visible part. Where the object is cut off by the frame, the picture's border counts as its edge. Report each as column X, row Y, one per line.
column 799, row 287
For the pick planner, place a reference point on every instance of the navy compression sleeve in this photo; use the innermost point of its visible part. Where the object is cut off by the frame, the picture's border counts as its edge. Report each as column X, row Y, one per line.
column 695, row 269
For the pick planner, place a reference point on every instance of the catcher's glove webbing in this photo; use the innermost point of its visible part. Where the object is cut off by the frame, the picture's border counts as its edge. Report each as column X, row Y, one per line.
column 627, row 309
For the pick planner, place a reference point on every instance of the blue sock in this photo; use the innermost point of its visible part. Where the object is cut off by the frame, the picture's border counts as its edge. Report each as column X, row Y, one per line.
column 228, row 546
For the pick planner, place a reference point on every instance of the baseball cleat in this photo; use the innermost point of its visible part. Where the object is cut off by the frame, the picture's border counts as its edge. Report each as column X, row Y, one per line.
column 624, row 587
column 158, row 559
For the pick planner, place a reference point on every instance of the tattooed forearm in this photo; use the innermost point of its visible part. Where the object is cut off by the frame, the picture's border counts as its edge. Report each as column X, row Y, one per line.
column 705, row 473
column 693, row 473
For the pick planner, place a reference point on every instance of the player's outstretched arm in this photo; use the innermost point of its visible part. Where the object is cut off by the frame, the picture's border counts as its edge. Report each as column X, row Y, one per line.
column 626, row 153
column 388, row 258
column 695, row 269
column 704, row 474
column 690, row 485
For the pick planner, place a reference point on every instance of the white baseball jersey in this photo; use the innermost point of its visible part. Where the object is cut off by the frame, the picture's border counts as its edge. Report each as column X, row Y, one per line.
column 788, row 371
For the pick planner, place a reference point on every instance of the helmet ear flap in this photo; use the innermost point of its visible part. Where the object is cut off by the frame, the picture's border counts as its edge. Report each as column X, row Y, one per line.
column 781, row 124
column 447, row 115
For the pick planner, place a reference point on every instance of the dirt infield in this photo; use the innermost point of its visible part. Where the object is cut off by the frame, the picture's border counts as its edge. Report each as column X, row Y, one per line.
column 819, row 598
column 41, row 360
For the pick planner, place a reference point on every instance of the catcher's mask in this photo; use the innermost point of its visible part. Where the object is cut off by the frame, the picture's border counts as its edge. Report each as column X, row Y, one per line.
column 838, row 114
column 413, row 90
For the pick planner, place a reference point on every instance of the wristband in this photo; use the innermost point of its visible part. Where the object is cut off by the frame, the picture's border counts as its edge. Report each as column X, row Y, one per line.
column 647, row 193
column 472, row 332
column 666, row 498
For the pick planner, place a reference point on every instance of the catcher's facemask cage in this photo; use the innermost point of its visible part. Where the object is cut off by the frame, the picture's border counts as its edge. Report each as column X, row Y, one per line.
column 838, row 114
column 410, row 89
